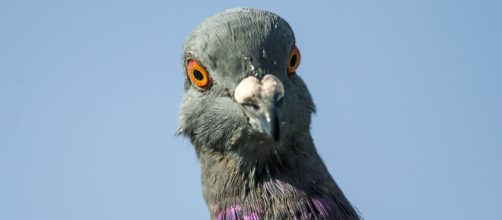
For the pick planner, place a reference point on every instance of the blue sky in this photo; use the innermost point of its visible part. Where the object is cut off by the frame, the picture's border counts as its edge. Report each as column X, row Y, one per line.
column 408, row 97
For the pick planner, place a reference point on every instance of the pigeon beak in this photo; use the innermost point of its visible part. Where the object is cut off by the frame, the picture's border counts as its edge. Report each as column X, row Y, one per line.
column 269, row 122
column 264, row 117
column 261, row 101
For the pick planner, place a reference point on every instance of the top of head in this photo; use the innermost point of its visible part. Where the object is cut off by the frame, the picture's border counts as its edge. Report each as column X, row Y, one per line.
column 240, row 40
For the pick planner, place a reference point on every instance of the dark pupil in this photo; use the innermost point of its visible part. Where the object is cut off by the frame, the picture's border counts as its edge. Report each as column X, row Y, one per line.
column 198, row 75
column 292, row 62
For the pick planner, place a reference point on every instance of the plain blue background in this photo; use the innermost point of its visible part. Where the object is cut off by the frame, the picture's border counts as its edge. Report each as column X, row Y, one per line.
column 408, row 96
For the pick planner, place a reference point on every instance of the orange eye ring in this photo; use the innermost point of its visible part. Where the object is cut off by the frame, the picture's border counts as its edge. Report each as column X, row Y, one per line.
column 197, row 74
column 294, row 60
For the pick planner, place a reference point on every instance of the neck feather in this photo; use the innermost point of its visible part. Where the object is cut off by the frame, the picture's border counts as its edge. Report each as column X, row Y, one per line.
column 294, row 185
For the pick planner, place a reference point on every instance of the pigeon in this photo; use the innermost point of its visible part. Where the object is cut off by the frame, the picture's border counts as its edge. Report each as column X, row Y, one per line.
column 247, row 113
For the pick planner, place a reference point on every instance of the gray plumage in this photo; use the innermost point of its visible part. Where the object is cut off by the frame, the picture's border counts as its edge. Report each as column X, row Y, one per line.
column 253, row 168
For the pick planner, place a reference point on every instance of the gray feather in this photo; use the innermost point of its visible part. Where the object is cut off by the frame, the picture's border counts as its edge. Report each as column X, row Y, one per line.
column 246, row 175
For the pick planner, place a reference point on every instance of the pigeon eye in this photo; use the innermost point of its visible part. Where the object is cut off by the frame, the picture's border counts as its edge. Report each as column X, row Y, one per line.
column 197, row 74
column 294, row 60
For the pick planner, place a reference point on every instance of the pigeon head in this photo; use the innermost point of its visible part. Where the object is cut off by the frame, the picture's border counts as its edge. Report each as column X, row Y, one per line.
column 242, row 90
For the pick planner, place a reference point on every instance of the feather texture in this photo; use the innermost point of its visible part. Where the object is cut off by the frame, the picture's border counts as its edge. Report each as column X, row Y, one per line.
column 246, row 173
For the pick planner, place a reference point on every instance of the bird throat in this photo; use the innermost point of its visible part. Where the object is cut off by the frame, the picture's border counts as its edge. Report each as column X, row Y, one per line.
column 235, row 189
